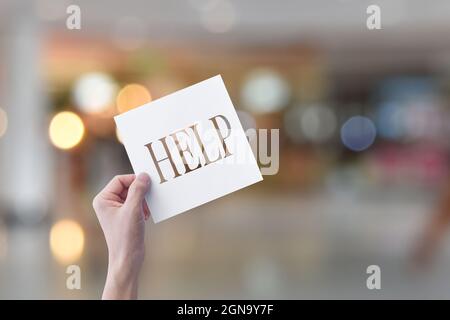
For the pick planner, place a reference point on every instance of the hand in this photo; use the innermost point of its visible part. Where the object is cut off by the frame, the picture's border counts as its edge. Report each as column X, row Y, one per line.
column 122, row 211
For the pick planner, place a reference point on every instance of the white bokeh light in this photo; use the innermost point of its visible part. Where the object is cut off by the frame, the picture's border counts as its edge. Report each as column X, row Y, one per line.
column 94, row 92
column 265, row 91
column 318, row 123
column 315, row 123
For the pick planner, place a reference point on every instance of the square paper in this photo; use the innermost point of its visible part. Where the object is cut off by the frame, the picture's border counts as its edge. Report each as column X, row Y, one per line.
column 201, row 122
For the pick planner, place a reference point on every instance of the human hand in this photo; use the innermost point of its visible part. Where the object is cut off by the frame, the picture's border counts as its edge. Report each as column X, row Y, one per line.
column 122, row 211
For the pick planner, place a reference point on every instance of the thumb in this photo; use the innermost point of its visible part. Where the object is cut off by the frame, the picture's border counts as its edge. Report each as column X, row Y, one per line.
column 137, row 190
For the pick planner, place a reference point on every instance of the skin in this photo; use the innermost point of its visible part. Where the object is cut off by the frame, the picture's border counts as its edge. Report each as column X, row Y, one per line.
column 122, row 211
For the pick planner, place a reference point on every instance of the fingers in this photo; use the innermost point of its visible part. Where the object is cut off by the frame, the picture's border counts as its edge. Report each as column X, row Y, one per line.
column 137, row 190
column 113, row 191
column 119, row 184
column 123, row 195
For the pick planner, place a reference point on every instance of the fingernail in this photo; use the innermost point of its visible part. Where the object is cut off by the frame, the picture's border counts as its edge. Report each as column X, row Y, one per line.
column 143, row 177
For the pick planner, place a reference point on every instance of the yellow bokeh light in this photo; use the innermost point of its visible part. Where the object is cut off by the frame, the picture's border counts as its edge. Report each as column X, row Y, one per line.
column 3, row 122
column 66, row 241
column 132, row 96
column 66, row 130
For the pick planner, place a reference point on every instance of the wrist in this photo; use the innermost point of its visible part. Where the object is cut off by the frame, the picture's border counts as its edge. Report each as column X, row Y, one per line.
column 119, row 287
column 121, row 281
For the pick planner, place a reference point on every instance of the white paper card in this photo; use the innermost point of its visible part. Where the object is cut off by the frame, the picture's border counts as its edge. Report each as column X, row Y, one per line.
column 192, row 145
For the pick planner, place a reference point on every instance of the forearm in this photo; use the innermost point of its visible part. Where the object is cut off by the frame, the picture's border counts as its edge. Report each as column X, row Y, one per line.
column 121, row 211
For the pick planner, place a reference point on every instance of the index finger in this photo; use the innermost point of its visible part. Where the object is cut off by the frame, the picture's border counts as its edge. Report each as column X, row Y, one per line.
column 118, row 184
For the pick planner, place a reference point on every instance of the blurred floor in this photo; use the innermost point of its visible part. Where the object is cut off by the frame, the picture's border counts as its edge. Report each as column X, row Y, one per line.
column 277, row 246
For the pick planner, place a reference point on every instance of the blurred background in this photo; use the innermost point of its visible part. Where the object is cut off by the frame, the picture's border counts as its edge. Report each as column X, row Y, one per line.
column 364, row 119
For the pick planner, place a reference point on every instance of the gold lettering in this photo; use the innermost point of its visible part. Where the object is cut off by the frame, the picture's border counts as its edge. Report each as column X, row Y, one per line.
column 221, row 137
column 182, row 151
column 205, row 155
column 169, row 157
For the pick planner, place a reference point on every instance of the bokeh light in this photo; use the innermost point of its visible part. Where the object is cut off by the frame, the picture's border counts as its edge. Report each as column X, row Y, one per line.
column 66, row 241
column 423, row 120
column 358, row 133
column 318, row 123
column 66, row 130
column 94, row 92
column 265, row 91
column 390, row 120
column 3, row 122
column 315, row 123
column 132, row 96
column 219, row 17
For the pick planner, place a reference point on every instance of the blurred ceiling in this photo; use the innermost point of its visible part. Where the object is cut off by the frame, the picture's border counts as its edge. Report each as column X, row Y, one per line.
column 411, row 29
column 254, row 21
